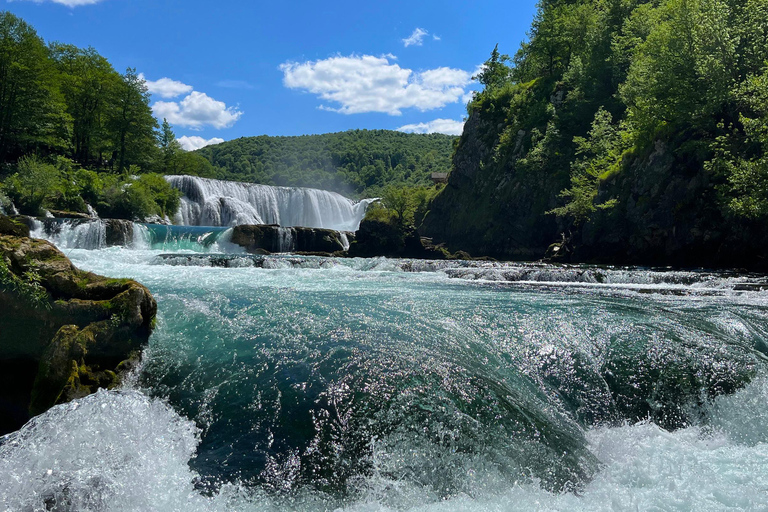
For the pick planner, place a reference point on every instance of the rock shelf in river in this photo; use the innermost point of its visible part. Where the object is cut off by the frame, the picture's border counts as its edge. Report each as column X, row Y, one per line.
column 64, row 333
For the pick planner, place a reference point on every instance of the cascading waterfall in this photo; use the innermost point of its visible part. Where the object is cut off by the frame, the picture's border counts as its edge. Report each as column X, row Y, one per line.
column 72, row 234
column 101, row 233
column 208, row 202
column 285, row 241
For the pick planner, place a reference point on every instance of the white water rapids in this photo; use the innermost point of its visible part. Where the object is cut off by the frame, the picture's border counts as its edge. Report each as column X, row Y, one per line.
column 208, row 202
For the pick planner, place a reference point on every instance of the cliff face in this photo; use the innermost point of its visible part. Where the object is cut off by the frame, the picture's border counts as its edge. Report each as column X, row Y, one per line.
column 489, row 206
column 64, row 333
column 666, row 213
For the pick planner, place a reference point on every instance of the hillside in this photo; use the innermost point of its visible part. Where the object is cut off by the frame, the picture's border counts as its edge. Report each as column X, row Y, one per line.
column 357, row 162
column 623, row 132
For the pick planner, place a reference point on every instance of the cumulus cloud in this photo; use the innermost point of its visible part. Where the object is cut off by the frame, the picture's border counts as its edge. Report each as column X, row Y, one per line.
column 415, row 39
column 366, row 83
column 447, row 126
column 197, row 110
column 165, row 87
column 191, row 143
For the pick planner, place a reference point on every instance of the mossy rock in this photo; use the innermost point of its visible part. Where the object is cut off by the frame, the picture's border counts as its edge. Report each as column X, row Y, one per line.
column 76, row 325
column 9, row 226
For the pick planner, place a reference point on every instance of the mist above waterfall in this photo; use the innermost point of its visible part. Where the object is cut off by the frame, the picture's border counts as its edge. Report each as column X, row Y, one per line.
column 209, row 202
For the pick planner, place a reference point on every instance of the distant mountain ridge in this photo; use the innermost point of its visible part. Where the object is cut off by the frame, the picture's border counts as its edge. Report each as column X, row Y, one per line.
column 357, row 163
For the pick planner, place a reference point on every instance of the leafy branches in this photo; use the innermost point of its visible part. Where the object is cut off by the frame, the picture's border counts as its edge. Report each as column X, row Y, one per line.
column 599, row 155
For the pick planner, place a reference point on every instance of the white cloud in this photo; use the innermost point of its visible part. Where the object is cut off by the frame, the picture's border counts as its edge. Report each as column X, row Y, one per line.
column 165, row 87
column 197, row 110
column 373, row 84
column 415, row 39
column 191, row 143
column 447, row 126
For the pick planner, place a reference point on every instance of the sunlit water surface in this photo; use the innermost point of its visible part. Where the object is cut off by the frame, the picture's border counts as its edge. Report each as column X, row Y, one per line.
column 286, row 383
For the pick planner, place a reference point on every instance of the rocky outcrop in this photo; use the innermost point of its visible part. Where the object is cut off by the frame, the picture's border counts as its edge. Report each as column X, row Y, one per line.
column 118, row 232
column 379, row 238
column 489, row 207
column 667, row 210
column 64, row 333
column 272, row 238
column 668, row 214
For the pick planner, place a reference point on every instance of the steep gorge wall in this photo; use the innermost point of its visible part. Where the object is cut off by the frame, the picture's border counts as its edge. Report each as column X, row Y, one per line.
column 488, row 206
column 666, row 213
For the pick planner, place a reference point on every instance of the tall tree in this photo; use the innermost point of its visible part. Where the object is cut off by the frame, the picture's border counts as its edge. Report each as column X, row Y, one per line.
column 169, row 148
column 132, row 125
column 87, row 82
column 30, row 107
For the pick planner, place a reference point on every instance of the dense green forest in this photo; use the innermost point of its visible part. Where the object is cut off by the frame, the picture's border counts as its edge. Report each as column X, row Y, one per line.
column 75, row 132
column 628, row 130
column 358, row 162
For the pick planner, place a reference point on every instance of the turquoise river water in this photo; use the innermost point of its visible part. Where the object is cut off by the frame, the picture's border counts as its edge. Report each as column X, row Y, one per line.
column 303, row 383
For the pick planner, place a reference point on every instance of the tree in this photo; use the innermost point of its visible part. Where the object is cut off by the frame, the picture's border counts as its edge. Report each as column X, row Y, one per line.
column 400, row 200
column 30, row 107
column 131, row 123
column 494, row 72
column 87, row 82
column 599, row 155
column 33, row 185
column 170, row 149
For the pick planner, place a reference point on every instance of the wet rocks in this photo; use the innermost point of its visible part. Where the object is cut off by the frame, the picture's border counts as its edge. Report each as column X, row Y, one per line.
column 272, row 238
column 64, row 333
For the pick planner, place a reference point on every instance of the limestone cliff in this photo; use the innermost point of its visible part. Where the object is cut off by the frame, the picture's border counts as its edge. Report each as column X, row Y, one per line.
column 666, row 210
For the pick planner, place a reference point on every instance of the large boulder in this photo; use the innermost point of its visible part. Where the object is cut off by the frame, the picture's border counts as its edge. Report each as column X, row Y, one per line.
column 381, row 238
column 273, row 238
column 64, row 333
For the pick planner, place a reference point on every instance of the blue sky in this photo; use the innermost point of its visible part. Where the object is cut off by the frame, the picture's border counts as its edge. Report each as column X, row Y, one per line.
column 234, row 68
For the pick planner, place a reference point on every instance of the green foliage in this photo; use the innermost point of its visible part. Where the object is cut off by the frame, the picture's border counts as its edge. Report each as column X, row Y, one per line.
column 358, row 162
column 378, row 212
column 66, row 113
column 132, row 124
column 600, row 79
column 598, row 156
column 494, row 72
column 34, row 185
column 38, row 185
column 69, row 101
column 26, row 287
column 741, row 155
column 31, row 110
column 137, row 197
column 408, row 205
column 170, row 149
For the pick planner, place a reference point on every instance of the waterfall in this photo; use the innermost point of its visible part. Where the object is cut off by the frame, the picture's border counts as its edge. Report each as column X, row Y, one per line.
column 208, row 202
column 285, row 240
column 72, row 234
column 344, row 240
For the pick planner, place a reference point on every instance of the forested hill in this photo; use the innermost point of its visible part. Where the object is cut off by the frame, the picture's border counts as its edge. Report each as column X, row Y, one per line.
column 626, row 131
column 356, row 162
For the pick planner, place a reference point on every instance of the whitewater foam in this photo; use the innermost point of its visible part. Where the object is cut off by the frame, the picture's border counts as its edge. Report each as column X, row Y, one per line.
column 208, row 202
column 121, row 451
